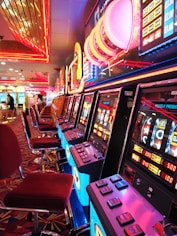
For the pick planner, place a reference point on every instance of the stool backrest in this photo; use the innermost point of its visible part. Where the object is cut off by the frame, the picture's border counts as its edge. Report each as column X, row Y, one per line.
column 10, row 153
column 33, row 117
column 26, row 127
column 36, row 114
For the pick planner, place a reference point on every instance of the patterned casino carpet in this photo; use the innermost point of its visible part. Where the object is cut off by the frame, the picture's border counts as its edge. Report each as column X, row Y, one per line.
column 20, row 223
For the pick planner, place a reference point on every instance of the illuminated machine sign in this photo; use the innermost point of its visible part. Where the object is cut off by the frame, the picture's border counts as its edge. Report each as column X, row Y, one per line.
column 75, row 70
column 158, row 24
column 110, row 37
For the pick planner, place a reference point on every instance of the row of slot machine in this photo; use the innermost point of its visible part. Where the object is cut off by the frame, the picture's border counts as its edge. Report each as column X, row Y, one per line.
column 121, row 147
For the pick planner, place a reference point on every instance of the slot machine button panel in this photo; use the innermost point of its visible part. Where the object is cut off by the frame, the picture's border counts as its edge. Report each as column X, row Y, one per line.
column 86, row 144
column 125, row 218
column 100, row 183
column 86, row 159
column 115, row 178
column 134, row 230
column 80, row 150
column 121, row 185
column 114, row 202
column 78, row 146
column 106, row 190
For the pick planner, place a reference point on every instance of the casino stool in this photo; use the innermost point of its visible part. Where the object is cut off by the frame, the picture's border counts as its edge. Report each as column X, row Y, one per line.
column 42, row 144
column 45, row 112
column 45, row 127
column 38, row 191
column 42, row 120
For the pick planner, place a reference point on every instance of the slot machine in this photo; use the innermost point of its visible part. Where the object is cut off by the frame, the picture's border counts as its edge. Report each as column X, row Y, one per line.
column 70, row 124
column 152, row 165
column 90, row 156
column 64, row 117
column 66, row 110
column 72, row 119
column 80, row 132
column 21, row 99
column 146, row 186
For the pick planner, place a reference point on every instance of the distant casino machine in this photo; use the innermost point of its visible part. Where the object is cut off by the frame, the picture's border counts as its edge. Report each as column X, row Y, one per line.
column 74, row 114
column 91, row 157
column 80, row 132
column 64, row 117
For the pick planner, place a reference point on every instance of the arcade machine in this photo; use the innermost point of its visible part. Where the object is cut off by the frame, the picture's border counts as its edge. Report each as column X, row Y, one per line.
column 66, row 110
column 80, row 132
column 142, row 200
column 72, row 119
column 64, row 117
column 107, row 124
column 21, row 99
column 70, row 124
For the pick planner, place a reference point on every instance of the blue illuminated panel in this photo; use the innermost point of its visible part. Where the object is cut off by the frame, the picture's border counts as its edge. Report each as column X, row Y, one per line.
column 21, row 98
column 96, row 227
column 81, row 180
column 3, row 97
column 88, row 163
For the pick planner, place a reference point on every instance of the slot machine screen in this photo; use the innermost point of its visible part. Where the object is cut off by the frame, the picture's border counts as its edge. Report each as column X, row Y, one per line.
column 68, row 106
column 75, row 109
column 103, row 120
column 153, row 145
column 21, row 98
column 85, row 112
column 3, row 97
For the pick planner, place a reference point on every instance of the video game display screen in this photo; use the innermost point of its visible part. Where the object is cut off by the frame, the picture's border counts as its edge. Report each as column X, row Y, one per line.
column 85, row 112
column 67, row 106
column 21, row 98
column 103, row 120
column 154, row 137
column 75, row 108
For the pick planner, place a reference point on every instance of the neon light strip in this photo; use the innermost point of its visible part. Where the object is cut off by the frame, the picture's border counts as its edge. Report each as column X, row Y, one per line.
column 136, row 78
column 88, row 55
column 101, row 43
column 95, row 52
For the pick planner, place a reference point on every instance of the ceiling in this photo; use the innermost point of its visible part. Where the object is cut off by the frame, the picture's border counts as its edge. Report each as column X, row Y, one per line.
column 67, row 22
